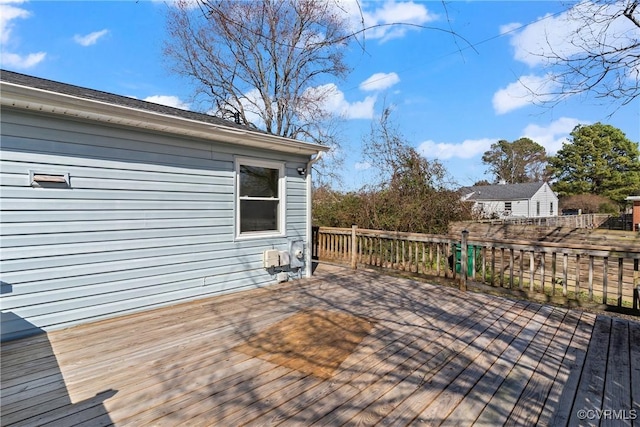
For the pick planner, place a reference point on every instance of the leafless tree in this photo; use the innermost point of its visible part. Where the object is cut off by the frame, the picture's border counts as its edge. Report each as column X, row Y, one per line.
column 412, row 193
column 270, row 64
column 259, row 62
column 600, row 56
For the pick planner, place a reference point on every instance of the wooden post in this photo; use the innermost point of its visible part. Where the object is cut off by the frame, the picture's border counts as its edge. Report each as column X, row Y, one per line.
column 620, row 271
column 636, row 284
column 591, row 263
column 354, row 247
column 463, row 260
column 531, row 269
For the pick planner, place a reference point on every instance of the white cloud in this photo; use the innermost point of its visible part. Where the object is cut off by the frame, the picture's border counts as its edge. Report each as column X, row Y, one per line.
column 335, row 102
column 534, row 42
column 15, row 60
column 381, row 15
column 8, row 58
column 91, row 38
column 566, row 34
column 168, row 100
column 587, row 26
column 379, row 81
column 7, row 14
column 526, row 91
column 552, row 137
column 507, row 28
column 464, row 150
column 362, row 166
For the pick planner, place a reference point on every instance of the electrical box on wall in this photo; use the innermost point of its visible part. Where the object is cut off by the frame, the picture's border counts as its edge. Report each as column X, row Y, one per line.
column 271, row 258
column 297, row 254
column 285, row 258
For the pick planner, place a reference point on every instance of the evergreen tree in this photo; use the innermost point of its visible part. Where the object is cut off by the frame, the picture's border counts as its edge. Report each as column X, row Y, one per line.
column 599, row 159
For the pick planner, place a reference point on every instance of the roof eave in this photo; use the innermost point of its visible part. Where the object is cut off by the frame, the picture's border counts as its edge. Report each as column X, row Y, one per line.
column 34, row 99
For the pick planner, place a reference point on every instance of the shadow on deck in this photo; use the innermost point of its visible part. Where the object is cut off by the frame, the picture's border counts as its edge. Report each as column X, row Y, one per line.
column 33, row 387
column 342, row 348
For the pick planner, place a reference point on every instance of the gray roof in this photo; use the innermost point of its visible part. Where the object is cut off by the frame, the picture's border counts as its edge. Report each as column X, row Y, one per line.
column 110, row 98
column 502, row 192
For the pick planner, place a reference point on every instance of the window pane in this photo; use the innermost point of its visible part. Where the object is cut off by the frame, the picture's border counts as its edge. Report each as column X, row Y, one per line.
column 258, row 182
column 258, row 215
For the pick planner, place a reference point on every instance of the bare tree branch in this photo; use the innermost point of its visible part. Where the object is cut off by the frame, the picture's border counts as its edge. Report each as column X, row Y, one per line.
column 601, row 56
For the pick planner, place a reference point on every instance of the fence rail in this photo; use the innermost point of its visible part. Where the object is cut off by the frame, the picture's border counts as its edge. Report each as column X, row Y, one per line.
column 588, row 274
column 574, row 221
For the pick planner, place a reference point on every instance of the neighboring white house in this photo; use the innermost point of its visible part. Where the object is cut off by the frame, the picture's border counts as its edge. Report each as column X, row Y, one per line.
column 512, row 200
column 111, row 205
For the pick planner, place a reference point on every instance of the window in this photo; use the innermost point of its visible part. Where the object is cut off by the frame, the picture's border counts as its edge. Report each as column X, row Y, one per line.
column 550, row 208
column 260, row 198
column 538, row 208
column 507, row 206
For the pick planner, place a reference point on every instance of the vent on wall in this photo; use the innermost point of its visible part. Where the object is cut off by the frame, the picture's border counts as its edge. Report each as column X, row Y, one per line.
column 49, row 179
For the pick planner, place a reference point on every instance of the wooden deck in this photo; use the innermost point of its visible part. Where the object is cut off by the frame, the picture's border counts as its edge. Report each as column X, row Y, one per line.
column 429, row 355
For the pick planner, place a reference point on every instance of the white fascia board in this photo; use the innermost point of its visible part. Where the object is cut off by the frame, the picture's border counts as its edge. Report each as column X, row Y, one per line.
column 34, row 99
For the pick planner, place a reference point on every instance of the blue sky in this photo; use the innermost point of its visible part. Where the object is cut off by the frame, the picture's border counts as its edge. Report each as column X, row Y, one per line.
column 450, row 101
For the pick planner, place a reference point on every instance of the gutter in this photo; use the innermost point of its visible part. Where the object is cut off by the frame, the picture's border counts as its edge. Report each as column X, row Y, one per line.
column 74, row 107
column 308, row 255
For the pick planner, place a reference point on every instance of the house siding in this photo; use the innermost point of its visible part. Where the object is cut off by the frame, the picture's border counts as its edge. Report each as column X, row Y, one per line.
column 522, row 206
column 519, row 207
column 545, row 196
column 148, row 220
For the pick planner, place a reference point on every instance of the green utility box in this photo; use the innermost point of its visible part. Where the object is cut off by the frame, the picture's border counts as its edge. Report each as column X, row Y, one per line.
column 457, row 251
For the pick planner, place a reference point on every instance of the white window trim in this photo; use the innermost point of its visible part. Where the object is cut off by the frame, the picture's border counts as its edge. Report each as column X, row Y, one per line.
column 282, row 185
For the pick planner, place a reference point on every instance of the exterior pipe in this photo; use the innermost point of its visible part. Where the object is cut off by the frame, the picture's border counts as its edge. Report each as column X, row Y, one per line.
column 308, row 257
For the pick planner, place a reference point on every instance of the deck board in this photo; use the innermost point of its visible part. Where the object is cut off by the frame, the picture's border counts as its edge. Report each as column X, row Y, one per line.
column 490, row 370
column 634, row 349
column 356, row 376
column 503, row 401
column 381, row 383
column 617, row 388
column 435, row 356
column 436, row 368
column 531, row 401
column 590, row 391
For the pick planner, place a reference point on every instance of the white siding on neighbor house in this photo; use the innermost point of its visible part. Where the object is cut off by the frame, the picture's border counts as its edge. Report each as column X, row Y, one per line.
column 526, row 208
column 489, row 208
column 148, row 220
column 499, row 208
column 548, row 202
column 519, row 207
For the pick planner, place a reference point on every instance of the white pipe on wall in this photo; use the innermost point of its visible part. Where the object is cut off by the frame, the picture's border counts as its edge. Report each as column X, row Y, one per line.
column 308, row 260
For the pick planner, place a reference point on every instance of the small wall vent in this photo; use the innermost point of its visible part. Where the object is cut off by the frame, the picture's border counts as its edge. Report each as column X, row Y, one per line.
column 49, row 179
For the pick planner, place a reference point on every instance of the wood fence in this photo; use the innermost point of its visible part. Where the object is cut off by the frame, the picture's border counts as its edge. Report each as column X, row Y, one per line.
column 575, row 221
column 548, row 271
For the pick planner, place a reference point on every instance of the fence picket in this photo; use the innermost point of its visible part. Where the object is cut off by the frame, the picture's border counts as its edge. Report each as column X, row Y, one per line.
column 432, row 254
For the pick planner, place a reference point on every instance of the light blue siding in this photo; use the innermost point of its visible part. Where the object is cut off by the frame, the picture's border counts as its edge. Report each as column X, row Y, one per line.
column 147, row 221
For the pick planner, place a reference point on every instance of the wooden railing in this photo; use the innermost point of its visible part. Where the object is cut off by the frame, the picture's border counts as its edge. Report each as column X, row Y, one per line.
column 573, row 221
column 541, row 270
